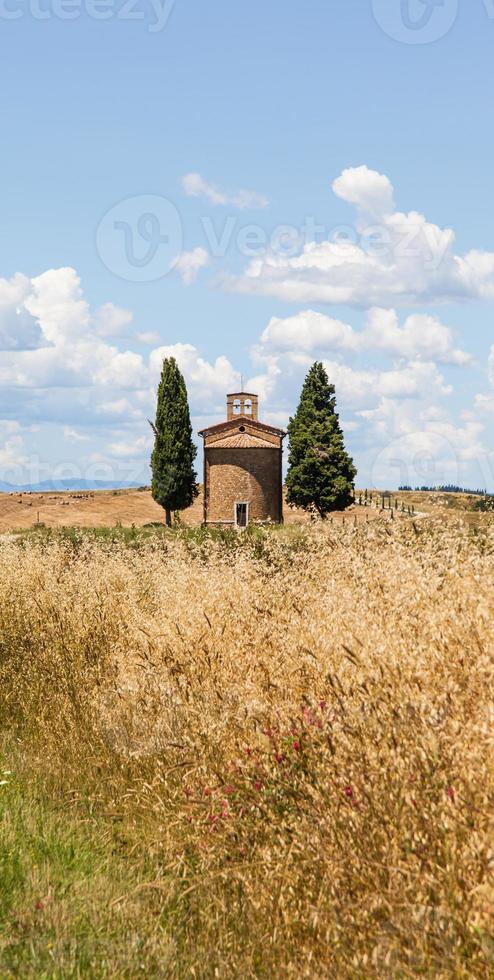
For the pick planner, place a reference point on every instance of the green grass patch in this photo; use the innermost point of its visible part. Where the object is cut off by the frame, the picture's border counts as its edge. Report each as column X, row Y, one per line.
column 69, row 906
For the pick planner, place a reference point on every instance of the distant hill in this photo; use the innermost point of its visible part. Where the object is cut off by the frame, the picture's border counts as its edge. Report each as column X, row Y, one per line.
column 47, row 486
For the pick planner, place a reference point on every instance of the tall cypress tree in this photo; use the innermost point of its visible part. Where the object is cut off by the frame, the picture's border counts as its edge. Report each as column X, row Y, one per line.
column 172, row 462
column 321, row 473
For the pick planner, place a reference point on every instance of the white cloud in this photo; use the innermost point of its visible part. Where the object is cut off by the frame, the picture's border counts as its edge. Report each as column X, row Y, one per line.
column 18, row 328
column 131, row 450
column 485, row 404
column 121, row 408
column 398, row 418
column 389, row 384
column 195, row 186
column 420, row 336
column 112, row 321
column 388, row 258
column 12, row 449
column 189, row 264
column 73, row 356
column 120, row 369
column 206, row 380
column 73, row 436
column 412, row 380
column 371, row 192
column 149, row 337
column 309, row 331
column 57, row 302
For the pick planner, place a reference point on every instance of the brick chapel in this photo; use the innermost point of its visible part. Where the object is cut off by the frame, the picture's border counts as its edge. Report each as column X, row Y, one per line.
column 243, row 479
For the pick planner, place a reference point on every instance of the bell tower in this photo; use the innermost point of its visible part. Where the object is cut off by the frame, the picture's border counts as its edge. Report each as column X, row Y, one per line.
column 242, row 403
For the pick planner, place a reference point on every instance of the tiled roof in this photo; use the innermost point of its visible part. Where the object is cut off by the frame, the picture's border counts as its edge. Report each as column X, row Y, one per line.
column 242, row 440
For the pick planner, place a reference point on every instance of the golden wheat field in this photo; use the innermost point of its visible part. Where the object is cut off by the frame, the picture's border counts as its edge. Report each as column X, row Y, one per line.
column 265, row 755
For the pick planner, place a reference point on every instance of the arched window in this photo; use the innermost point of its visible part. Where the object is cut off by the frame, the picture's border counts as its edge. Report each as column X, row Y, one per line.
column 248, row 406
column 236, row 406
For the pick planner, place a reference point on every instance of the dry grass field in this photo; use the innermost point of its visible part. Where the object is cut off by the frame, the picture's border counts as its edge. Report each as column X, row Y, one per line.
column 102, row 508
column 110, row 508
column 257, row 755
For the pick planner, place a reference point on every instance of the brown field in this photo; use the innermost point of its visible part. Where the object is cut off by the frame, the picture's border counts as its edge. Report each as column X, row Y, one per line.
column 104, row 508
column 248, row 756
column 109, row 508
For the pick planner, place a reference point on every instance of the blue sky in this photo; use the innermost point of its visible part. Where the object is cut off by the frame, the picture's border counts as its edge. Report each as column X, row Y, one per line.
column 332, row 144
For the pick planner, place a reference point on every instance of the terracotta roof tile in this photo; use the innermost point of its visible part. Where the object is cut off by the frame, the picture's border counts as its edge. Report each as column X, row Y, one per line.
column 242, row 440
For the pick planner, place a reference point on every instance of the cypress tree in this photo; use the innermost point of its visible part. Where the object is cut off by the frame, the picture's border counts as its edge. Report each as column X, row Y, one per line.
column 172, row 462
column 321, row 473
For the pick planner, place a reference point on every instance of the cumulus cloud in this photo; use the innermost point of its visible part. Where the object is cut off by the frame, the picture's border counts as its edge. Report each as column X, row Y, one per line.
column 73, row 355
column 389, row 379
column 18, row 328
column 387, row 258
column 309, row 331
column 56, row 300
column 12, row 450
column 403, row 445
column 399, row 418
column 112, row 321
column 371, row 192
column 408, row 381
column 189, row 264
column 206, row 379
column 195, row 186
column 420, row 336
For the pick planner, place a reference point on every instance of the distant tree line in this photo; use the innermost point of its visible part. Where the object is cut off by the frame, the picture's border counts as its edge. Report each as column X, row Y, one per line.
column 449, row 488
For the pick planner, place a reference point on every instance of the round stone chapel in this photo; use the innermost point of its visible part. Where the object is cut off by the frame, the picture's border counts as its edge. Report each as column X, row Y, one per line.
column 243, row 479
